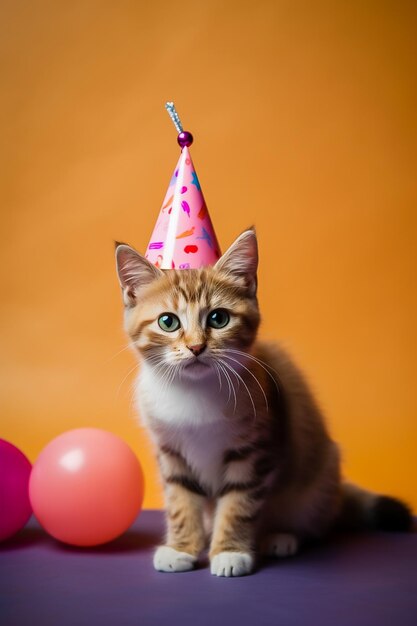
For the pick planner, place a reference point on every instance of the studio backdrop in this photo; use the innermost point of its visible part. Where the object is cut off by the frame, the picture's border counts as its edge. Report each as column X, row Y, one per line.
column 304, row 122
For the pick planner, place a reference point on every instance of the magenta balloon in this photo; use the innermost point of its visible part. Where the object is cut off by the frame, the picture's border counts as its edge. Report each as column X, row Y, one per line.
column 15, row 508
column 86, row 487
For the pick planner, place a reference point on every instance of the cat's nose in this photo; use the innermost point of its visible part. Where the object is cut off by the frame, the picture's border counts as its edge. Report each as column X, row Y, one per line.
column 197, row 349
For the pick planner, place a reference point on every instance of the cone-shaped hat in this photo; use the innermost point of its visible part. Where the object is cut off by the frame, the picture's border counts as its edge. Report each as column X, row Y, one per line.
column 183, row 237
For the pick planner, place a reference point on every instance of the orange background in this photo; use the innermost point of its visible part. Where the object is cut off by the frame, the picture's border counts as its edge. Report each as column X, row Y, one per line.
column 304, row 117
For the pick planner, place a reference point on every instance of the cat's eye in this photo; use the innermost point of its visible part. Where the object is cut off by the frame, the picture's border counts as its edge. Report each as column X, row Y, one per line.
column 219, row 318
column 169, row 322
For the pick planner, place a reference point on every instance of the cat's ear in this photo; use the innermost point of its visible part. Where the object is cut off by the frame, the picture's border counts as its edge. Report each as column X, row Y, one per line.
column 241, row 260
column 134, row 272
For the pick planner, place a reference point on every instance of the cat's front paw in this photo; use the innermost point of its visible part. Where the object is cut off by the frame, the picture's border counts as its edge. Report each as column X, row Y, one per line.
column 168, row 559
column 232, row 564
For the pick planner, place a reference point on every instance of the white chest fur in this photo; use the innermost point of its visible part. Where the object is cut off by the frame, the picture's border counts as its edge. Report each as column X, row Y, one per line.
column 189, row 418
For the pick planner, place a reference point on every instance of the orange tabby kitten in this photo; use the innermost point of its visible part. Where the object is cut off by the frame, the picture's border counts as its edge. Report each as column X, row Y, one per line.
column 245, row 457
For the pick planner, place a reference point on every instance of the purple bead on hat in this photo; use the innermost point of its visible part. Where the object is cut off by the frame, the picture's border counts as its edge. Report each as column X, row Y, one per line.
column 185, row 139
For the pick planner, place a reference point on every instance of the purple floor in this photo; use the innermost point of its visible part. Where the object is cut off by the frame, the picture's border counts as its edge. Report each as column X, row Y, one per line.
column 360, row 580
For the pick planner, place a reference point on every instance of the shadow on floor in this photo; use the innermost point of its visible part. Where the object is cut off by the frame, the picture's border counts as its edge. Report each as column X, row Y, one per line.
column 25, row 538
column 130, row 541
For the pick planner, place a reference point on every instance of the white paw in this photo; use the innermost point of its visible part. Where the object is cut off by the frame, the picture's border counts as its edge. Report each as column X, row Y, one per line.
column 281, row 545
column 232, row 564
column 168, row 559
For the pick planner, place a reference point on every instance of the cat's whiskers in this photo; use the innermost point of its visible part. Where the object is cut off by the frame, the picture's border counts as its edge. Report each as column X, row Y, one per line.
column 166, row 368
column 164, row 377
column 173, row 373
column 132, row 399
column 129, row 345
column 232, row 369
column 230, row 385
column 154, row 358
column 160, row 367
column 253, row 376
column 180, row 371
column 173, row 370
column 160, row 370
column 135, row 367
column 156, row 364
column 221, row 370
column 218, row 375
column 161, row 373
column 259, row 362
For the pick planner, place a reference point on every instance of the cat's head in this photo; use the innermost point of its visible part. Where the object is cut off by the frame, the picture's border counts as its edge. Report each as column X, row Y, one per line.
column 191, row 320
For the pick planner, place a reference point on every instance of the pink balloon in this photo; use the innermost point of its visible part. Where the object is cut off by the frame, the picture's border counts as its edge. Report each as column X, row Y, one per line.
column 86, row 487
column 15, row 508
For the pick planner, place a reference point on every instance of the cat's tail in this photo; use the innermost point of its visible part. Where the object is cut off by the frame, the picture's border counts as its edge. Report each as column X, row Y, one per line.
column 363, row 509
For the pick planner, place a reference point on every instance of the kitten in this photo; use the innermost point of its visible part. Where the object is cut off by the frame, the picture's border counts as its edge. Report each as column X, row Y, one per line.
column 245, row 457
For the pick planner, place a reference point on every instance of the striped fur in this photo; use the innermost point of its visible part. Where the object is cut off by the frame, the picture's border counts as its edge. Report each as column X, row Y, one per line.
column 244, row 453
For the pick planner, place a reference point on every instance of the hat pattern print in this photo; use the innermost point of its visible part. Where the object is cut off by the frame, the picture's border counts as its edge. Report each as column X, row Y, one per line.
column 183, row 237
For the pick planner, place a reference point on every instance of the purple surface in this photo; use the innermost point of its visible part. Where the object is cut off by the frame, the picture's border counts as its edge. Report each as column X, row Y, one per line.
column 351, row 580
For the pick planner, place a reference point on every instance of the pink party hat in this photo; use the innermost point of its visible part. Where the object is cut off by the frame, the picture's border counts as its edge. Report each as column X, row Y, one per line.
column 183, row 237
